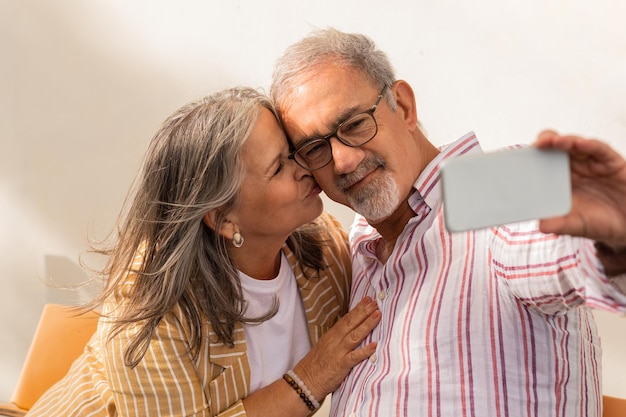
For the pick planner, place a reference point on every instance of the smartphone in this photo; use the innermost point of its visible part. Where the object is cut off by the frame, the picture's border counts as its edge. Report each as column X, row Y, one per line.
column 505, row 186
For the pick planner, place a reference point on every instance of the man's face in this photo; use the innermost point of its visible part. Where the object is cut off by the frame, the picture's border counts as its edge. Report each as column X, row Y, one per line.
column 373, row 179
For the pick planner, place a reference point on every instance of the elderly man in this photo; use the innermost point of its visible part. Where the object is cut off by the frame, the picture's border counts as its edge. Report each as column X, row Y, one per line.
column 493, row 322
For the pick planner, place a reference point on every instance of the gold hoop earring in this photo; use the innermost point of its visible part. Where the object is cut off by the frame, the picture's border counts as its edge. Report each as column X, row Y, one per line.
column 237, row 240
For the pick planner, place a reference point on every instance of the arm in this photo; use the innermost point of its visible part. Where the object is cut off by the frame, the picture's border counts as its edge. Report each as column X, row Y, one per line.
column 323, row 368
column 598, row 197
column 165, row 381
column 551, row 273
column 338, row 349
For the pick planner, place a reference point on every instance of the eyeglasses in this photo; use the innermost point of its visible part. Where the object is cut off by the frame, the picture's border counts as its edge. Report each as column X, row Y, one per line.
column 355, row 131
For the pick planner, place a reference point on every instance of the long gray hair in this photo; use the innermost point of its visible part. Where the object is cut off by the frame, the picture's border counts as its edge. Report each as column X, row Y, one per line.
column 331, row 45
column 192, row 166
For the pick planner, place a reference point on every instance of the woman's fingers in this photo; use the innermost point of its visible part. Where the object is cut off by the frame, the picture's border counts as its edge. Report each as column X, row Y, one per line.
column 339, row 349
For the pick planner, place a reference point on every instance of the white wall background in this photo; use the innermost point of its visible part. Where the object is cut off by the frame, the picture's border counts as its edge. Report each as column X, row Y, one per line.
column 85, row 84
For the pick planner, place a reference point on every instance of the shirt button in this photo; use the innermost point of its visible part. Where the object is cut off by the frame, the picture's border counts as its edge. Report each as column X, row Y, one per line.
column 352, row 414
column 373, row 358
column 381, row 295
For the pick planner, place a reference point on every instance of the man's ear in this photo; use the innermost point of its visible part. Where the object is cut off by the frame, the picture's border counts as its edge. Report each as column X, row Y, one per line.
column 405, row 100
column 226, row 226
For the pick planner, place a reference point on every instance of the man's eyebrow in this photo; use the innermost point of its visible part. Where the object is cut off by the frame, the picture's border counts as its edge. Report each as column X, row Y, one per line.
column 340, row 118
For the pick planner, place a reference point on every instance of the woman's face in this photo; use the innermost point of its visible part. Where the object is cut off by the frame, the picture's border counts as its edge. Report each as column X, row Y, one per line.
column 277, row 196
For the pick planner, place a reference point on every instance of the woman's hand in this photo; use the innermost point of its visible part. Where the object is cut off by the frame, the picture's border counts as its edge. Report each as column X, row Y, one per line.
column 338, row 350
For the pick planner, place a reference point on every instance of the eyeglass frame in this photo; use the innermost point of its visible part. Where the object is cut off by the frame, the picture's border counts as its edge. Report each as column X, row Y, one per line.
column 327, row 138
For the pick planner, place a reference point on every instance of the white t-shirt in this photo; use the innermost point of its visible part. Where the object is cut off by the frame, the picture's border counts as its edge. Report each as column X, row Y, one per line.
column 275, row 345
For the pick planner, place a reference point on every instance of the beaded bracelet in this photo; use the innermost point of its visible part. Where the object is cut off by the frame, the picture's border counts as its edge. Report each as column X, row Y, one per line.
column 302, row 390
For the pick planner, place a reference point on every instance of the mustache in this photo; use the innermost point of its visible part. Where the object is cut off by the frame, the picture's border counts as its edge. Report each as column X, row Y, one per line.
column 365, row 167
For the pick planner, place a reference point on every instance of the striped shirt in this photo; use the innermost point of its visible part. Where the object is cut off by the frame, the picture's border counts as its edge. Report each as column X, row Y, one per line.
column 167, row 381
column 494, row 322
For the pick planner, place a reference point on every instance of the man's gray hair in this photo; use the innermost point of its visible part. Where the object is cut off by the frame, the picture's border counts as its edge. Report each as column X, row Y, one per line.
column 321, row 46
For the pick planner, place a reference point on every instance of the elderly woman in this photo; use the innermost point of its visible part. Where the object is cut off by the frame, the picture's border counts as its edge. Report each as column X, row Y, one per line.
column 223, row 283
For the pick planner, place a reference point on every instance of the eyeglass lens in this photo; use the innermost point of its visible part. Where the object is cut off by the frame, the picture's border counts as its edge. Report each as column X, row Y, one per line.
column 353, row 132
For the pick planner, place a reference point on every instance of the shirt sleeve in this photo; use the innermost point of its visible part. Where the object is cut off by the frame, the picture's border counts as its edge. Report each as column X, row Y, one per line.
column 552, row 273
column 164, row 382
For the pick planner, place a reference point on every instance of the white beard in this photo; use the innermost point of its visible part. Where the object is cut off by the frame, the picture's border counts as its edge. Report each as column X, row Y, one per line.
column 376, row 201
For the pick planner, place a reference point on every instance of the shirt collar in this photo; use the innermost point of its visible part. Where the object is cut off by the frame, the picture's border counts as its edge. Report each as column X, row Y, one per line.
column 427, row 185
column 427, row 189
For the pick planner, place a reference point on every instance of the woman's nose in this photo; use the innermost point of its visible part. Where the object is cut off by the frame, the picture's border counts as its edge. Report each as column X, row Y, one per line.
column 299, row 172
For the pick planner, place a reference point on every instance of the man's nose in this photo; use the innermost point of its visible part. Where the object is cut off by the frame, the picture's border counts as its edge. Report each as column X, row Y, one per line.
column 345, row 158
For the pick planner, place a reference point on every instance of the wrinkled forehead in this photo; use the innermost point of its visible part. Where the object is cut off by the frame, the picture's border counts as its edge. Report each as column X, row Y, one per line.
column 318, row 100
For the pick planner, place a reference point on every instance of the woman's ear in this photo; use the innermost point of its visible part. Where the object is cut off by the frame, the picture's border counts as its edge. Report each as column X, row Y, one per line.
column 210, row 218
column 405, row 100
column 226, row 227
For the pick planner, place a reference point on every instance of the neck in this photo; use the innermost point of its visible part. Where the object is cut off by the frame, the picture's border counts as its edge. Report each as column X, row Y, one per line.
column 259, row 261
column 390, row 228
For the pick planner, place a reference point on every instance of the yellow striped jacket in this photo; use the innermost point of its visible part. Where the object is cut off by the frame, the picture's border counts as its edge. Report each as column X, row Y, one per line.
column 167, row 381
